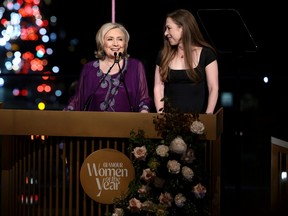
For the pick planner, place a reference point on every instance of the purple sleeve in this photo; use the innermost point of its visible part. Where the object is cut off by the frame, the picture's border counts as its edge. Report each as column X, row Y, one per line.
column 136, row 81
column 83, row 88
column 74, row 103
column 144, row 101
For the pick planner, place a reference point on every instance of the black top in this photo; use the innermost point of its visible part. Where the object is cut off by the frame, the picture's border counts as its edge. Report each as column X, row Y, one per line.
column 185, row 95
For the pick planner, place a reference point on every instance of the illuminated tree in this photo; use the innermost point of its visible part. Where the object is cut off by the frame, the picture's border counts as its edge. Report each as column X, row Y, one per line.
column 25, row 70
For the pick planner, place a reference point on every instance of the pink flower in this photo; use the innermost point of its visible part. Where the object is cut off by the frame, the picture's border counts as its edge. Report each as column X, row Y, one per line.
column 140, row 152
column 199, row 191
column 134, row 205
column 148, row 175
column 166, row 199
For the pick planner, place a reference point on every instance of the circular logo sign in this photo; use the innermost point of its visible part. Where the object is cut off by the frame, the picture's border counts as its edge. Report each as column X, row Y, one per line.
column 105, row 174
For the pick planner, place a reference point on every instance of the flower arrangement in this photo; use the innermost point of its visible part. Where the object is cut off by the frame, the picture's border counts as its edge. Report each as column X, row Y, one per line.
column 169, row 180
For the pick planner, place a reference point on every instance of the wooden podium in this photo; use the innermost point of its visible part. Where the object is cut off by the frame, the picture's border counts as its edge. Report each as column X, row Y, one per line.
column 42, row 151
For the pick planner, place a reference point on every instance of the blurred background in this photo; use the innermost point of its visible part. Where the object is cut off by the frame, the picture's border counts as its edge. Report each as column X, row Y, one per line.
column 44, row 44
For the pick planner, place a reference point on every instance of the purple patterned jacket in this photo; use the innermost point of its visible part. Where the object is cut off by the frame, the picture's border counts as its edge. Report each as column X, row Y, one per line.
column 125, row 91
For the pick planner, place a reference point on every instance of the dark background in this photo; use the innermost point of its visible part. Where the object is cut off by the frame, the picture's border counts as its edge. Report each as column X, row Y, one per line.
column 250, row 38
column 251, row 41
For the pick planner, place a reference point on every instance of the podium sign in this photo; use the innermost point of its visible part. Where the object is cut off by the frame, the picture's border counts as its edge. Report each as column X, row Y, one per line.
column 105, row 174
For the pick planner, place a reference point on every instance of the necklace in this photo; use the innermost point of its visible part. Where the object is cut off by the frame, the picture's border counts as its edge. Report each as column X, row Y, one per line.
column 180, row 52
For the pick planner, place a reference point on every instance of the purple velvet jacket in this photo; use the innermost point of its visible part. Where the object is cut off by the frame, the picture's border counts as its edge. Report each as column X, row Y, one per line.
column 125, row 91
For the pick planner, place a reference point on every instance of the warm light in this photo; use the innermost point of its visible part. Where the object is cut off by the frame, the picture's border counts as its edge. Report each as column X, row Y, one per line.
column 36, row 64
column 24, row 92
column 45, row 77
column 47, row 88
column 41, row 106
column 40, row 88
column 42, row 137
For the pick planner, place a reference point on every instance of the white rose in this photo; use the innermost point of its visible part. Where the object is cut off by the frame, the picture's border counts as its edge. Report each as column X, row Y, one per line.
column 118, row 212
column 178, row 145
column 197, row 127
column 188, row 173
column 173, row 166
column 162, row 150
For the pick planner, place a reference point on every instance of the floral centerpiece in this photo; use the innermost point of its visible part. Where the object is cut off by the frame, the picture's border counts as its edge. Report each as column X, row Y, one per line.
column 169, row 179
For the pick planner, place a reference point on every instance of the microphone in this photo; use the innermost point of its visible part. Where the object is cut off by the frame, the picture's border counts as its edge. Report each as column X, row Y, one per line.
column 115, row 58
column 88, row 101
column 119, row 57
column 122, row 78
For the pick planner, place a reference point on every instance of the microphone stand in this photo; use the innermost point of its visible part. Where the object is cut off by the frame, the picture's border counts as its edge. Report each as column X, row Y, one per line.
column 122, row 78
column 88, row 101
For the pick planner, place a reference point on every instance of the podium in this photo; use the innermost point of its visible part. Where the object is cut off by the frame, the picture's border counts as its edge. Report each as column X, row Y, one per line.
column 42, row 152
